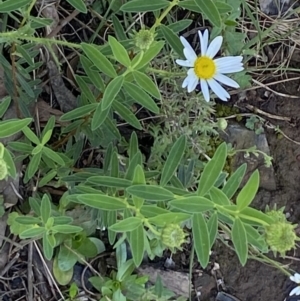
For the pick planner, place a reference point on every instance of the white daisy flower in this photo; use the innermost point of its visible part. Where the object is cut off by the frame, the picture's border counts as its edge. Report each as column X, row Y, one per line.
column 296, row 290
column 209, row 71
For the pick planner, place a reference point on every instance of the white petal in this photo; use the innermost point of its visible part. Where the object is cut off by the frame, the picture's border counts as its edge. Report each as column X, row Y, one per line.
column 218, row 89
column 190, row 79
column 203, row 41
column 214, row 47
column 192, row 84
column 226, row 80
column 297, row 277
column 184, row 63
column 295, row 291
column 229, row 64
column 188, row 51
column 204, row 89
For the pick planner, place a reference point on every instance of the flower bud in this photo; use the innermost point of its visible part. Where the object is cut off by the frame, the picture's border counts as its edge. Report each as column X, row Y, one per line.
column 173, row 236
column 143, row 39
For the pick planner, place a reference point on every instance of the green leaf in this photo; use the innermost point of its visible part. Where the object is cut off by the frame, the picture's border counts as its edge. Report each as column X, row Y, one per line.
column 218, row 197
column 201, row 239
column 98, row 59
column 141, row 97
column 119, row 30
column 103, row 202
column 28, row 220
column 137, row 6
column 53, row 156
column 85, row 89
column 168, row 218
column 93, row 76
column 32, row 233
column 176, row 27
column 212, row 170
column 211, row 12
column 11, row 5
column 212, row 226
column 66, row 229
column 126, row 114
column 192, row 204
column 150, row 192
column 99, row 117
column 126, row 225
column 45, row 208
column 109, row 181
column 8, row 159
column 255, row 238
column 13, row 126
column 63, row 277
column 248, row 192
column 133, row 145
column 240, row 242
column 146, row 83
column 31, row 135
column 152, row 210
column 48, row 246
column 79, row 5
column 151, row 53
column 138, row 178
column 33, row 165
column 173, row 39
column 4, row 104
column 136, row 242
column 66, row 259
column 173, row 160
column 256, row 216
column 119, row 52
column 233, row 183
column 111, row 92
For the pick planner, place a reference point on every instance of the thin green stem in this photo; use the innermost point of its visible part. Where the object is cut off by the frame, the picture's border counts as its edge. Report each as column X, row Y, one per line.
column 166, row 73
column 164, row 14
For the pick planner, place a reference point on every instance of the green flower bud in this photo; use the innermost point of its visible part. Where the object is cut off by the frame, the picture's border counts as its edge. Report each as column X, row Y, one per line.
column 143, row 39
column 173, row 236
column 222, row 124
column 3, row 169
column 281, row 237
column 277, row 215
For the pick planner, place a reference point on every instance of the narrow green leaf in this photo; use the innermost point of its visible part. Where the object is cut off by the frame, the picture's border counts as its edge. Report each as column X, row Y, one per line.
column 151, row 53
column 201, row 239
column 219, row 197
column 126, row 225
column 212, row 170
column 146, row 83
column 109, row 181
column 13, row 126
column 152, row 210
column 248, row 192
column 79, row 112
column 150, row 192
column 119, row 52
column 99, row 117
column 11, row 5
column 66, row 229
column 133, row 145
column 173, row 160
column 256, row 216
column 173, row 39
column 85, row 89
column 119, row 30
column 31, row 135
column 126, row 114
column 53, row 156
column 212, row 226
column 168, row 218
column 4, row 104
column 99, row 60
column 8, row 159
column 141, row 97
column 137, row 6
column 45, row 208
column 79, row 5
column 210, row 11
column 138, row 178
column 240, row 242
column 94, row 76
column 233, row 183
column 137, row 245
column 33, row 165
column 192, row 204
column 111, row 92
column 33, row 232
column 102, row 202
column 47, row 246
column 28, row 220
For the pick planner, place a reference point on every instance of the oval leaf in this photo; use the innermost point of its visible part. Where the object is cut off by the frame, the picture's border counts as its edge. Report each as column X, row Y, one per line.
column 240, row 242
column 111, row 92
column 149, row 192
column 126, row 225
column 100, row 201
column 192, row 204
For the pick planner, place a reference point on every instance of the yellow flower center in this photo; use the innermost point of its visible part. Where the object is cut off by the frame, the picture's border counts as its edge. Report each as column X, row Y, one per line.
column 205, row 67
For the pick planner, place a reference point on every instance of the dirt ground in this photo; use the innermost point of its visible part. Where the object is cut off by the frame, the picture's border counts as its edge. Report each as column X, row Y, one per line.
column 257, row 281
